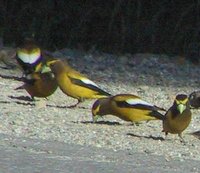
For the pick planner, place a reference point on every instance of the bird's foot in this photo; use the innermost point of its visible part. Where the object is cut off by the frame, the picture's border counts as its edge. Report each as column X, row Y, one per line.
column 182, row 140
column 40, row 104
column 136, row 123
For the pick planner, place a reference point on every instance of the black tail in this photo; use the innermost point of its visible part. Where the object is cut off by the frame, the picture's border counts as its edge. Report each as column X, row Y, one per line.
column 20, row 88
column 89, row 86
column 102, row 92
column 157, row 115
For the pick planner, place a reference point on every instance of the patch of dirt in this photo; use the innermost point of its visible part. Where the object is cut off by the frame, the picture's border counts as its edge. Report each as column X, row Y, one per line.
column 155, row 78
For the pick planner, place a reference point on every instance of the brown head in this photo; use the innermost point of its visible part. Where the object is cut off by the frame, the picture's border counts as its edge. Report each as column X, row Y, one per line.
column 100, row 107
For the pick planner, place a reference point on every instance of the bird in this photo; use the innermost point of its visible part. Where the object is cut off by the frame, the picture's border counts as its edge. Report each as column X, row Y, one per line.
column 178, row 116
column 29, row 56
column 73, row 83
column 127, row 107
column 194, row 99
column 39, row 84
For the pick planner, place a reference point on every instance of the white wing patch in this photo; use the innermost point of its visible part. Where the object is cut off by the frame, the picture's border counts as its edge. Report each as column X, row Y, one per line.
column 29, row 58
column 87, row 81
column 137, row 101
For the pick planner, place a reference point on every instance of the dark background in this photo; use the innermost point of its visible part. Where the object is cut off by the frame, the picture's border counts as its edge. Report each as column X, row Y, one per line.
column 115, row 26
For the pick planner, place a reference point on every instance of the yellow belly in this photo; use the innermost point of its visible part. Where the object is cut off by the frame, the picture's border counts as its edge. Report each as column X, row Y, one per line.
column 76, row 91
column 176, row 125
column 133, row 115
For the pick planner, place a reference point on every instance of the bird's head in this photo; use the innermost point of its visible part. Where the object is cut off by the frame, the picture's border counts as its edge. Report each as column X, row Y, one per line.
column 181, row 102
column 58, row 66
column 30, row 46
column 96, row 110
column 100, row 108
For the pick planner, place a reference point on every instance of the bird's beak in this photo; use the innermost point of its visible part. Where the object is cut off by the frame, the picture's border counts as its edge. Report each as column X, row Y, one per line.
column 95, row 118
column 46, row 69
column 181, row 108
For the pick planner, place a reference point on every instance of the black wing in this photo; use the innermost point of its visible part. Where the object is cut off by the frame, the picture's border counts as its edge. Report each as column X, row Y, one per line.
column 89, row 86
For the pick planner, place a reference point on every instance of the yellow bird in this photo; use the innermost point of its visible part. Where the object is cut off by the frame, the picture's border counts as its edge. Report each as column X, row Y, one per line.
column 39, row 84
column 29, row 56
column 127, row 107
column 73, row 83
column 178, row 117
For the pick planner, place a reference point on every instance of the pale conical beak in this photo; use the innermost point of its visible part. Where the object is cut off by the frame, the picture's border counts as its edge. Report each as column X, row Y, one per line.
column 45, row 69
column 95, row 118
column 181, row 108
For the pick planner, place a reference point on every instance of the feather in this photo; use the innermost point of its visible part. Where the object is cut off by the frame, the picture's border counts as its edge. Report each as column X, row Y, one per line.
column 89, row 82
column 29, row 58
column 135, row 103
column 86, row 83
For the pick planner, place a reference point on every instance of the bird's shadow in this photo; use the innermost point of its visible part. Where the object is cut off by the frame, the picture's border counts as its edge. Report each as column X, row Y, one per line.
column 28, row 101
column 101, row 123
column 4, row 102
column 25, row 103
column 5, row 68
column 146, row 137
column 22, row 98
column 11, row 77
column 8, row 66
column 31, row 102
column 57, row 106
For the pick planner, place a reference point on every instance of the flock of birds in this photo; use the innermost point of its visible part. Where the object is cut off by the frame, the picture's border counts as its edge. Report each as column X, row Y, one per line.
column 43, row 74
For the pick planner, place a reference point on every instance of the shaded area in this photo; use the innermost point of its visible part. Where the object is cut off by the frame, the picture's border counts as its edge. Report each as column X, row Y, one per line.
column 23, row 98
column 30, row 102
column 12, row 77
column 5, row 102
column 111, row 26
column 134, row 70
column 7, row 67
column 147, row 137
column 102, row 123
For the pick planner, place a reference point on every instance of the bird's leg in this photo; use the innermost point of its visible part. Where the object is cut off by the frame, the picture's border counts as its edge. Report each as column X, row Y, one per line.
column 39, row 103
column 181, row 138
column 80, row 100
column 166, row 136
column 94, row 119
column 73, row 106
column 33, row 98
